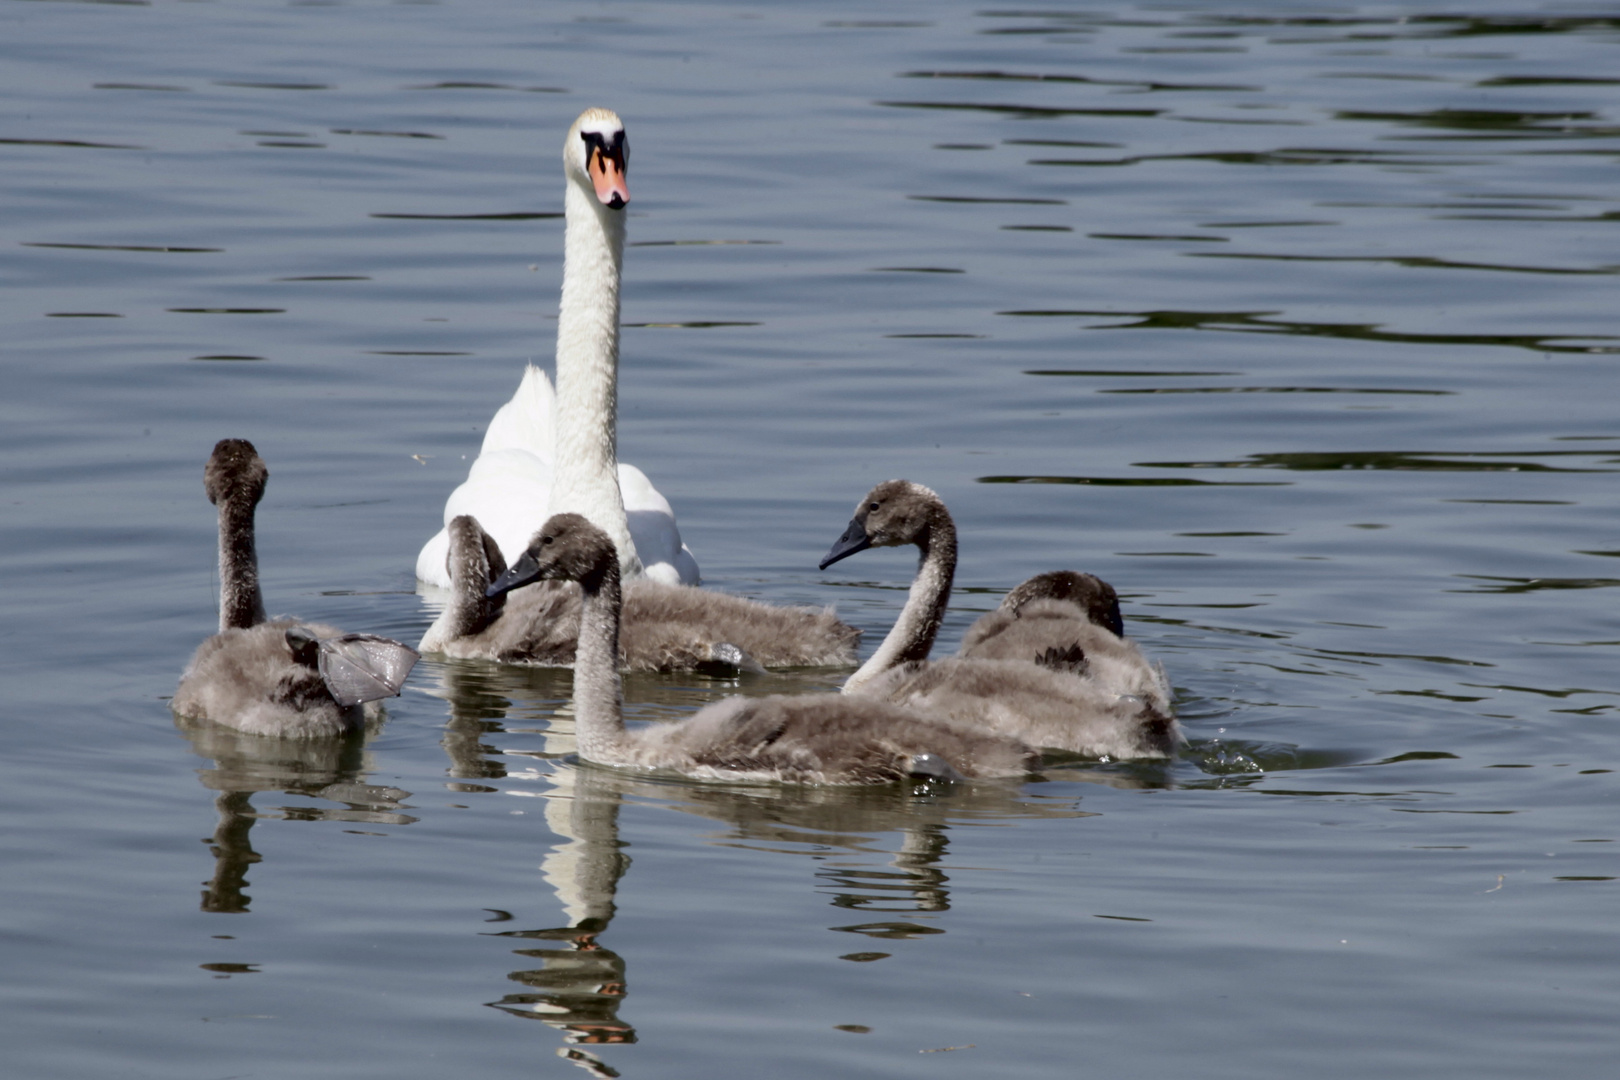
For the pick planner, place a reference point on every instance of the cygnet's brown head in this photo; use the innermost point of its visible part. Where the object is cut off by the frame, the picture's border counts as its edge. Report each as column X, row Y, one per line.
column 567, row 548
column 235, row 473
column 1091, row 594
column 894, row 513
column 597, row 154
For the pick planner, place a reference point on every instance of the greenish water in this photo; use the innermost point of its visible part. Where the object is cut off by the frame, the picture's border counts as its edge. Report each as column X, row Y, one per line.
column 1293, row 321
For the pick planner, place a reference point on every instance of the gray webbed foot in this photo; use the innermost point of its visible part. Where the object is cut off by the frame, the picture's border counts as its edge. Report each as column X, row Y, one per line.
column 727, row 660
column 931, row 768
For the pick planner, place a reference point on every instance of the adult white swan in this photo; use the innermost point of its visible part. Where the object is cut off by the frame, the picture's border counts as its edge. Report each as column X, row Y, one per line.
column 548, row 453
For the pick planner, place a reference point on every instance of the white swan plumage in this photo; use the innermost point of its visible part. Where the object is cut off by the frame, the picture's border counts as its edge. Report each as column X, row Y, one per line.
column 509, row 487
column 551, row 450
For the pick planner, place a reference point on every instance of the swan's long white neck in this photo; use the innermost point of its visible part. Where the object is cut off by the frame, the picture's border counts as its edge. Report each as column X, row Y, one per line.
column 918, row 625
column 241, row 604
column 598, row 698
column 585, row 476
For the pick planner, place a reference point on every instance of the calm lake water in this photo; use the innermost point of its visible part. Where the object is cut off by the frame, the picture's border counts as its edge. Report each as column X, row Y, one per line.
column 1294, row 321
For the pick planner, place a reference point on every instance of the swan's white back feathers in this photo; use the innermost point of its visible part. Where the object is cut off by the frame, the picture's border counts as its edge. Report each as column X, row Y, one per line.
column 527, row 422
column 664, row 558
column 508, row 489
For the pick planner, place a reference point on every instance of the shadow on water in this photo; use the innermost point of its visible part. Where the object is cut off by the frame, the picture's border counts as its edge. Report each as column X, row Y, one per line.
column 1255, row 322
column 1557, row 124
column 1396, row 460
column 1124, row 481
column 1131, row 84
column 480, row 696
column 1279, row 156
column 1276, row 390
column 1349, row 28
column 1420, row 262
column 1512, row 585
column 1018, row 112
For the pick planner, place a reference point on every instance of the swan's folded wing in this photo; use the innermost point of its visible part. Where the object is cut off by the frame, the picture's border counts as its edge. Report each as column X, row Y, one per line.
column 363, row 667
column 525, row 422
column 652, row 526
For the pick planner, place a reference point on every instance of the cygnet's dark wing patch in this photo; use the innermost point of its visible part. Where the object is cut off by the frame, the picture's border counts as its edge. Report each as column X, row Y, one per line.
column 1064, row 658
column 301, row 690
column 364, row 667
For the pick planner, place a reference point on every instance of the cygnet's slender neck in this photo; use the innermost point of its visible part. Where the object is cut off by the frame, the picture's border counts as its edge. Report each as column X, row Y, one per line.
column 241, row 604
column 918, row 625
column 475, row 560
column 585, row 479
column 598, row 698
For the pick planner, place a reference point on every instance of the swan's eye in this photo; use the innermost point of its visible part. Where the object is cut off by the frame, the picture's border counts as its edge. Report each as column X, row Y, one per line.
column 873, row 506
column 612, row 145
column 546, row 539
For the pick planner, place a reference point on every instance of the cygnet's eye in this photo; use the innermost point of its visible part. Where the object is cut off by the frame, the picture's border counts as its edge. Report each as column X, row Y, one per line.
column 546, row 539
column 874, row 506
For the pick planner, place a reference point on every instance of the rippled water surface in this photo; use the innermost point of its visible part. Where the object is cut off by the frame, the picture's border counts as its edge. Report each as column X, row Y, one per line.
column 1296, row 322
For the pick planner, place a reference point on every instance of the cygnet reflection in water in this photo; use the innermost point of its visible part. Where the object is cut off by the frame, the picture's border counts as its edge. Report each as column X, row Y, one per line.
column 244, row 765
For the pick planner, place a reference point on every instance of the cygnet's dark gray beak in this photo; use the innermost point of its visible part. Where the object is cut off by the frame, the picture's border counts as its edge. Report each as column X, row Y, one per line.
column 853, row 540
column 522, row 572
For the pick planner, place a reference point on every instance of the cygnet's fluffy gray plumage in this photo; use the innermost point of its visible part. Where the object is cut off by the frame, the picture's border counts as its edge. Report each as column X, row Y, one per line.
column 812, row 739
column 254, row 675
column 248, row 678
column 1090, row 593
column 1065, row 619
column 1039, row 669
column 663, row 628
